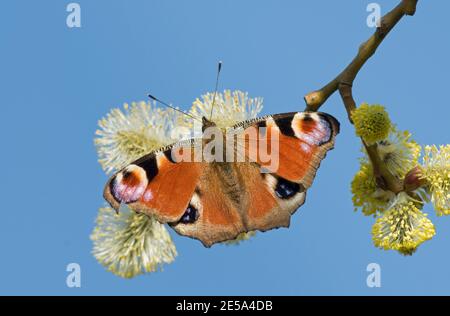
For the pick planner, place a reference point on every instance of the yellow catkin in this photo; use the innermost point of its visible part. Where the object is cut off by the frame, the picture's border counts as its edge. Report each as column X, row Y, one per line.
column 403, row 227
column 436, row 171
column 371, row 122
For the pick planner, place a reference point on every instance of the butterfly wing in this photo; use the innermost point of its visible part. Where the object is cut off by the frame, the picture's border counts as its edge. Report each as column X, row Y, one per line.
column 157, row 184
column 299, row 141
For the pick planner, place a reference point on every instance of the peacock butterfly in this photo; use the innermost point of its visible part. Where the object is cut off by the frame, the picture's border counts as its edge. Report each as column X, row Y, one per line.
column 214, row 200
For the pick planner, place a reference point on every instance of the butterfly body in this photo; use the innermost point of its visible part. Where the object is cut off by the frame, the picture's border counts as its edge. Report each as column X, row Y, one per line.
column 234, row 189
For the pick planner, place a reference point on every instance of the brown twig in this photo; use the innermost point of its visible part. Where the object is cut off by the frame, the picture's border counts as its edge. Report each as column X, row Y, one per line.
column 344, row 82
column 316, row 98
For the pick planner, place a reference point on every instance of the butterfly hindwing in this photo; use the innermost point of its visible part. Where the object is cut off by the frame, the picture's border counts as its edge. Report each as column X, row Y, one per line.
column 217, row 200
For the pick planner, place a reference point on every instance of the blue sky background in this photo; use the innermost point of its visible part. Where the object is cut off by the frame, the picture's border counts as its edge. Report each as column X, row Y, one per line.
column 56, row 82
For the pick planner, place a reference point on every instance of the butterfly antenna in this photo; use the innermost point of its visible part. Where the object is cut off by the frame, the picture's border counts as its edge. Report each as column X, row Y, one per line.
column 219, row 67
column 172, row 107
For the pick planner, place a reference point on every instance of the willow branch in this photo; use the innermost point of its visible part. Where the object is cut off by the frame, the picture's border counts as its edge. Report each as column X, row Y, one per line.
column 344, row 82
column 315, row 99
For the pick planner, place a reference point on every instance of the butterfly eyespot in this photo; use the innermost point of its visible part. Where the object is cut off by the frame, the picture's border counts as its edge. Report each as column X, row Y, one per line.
column 190, row 215
column 129, row 185
column 286, row 189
